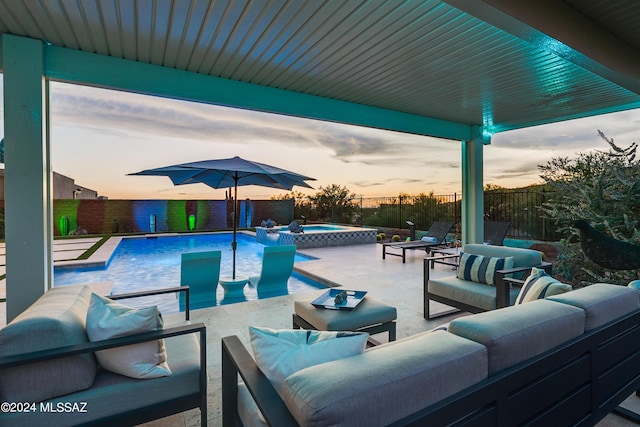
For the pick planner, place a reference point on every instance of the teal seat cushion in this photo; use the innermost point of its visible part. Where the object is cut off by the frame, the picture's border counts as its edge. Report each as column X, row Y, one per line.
column 387, row 383
column 601, row 302
column 471, row 293
column 515, row 334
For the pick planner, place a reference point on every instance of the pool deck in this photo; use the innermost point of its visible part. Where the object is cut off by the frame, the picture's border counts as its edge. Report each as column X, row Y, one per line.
column 358, row 267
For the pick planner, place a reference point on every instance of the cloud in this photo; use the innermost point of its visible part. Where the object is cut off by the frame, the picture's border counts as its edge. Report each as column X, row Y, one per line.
column 101, row 110
column 161, row 117
column 577, row 135
column 119, row 122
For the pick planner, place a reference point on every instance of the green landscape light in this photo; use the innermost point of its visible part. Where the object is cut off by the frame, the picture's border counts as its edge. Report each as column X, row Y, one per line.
column 64, row 225
column 192, row 222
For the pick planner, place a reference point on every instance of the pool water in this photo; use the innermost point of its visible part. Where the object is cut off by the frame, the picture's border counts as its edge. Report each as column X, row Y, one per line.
column 323, row 227
column 151, row 263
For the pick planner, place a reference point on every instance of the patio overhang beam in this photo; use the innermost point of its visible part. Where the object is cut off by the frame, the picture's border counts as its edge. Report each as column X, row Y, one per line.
column 73, row 66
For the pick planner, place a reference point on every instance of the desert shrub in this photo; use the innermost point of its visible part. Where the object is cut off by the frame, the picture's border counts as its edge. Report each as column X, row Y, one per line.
column 604, row 189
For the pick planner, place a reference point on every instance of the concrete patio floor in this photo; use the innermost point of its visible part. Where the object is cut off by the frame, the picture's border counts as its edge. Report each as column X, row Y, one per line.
column 358, row 267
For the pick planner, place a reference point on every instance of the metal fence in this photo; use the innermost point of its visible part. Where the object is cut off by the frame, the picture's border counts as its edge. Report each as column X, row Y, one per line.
column 520, row 208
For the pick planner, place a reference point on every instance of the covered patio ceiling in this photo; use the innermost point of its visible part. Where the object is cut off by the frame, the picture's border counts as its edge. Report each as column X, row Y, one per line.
column 455, row 69
column 500, row 64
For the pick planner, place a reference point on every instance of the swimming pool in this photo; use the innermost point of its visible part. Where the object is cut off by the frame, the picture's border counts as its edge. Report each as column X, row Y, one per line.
column 142, row 263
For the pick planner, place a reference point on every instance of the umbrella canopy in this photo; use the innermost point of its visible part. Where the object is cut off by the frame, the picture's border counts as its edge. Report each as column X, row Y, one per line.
column 225, row 173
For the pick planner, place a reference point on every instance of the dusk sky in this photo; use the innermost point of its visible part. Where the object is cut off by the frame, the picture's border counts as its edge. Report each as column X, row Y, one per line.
column 99, row 136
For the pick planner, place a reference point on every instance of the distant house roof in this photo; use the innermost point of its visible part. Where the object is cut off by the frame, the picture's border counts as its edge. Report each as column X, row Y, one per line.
column 63, row 188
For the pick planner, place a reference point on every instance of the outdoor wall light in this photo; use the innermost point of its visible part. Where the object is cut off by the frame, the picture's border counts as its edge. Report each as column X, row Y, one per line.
column 410, row 224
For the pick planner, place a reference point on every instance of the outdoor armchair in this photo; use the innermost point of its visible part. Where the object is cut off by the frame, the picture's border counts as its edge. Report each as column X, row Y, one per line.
column 471, row 294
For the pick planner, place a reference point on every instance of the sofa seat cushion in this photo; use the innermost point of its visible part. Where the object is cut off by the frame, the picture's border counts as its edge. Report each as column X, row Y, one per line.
column 248, row 410
column 387, row 383
column 56, row 319
column 517, row 333
column 113, row 393
column 472, row 293
column 601, row 302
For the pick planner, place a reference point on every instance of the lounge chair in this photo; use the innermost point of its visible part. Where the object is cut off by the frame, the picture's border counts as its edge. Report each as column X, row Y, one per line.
column 495, row 232
column 436, row 234
column 201, row 272
column 277, row 266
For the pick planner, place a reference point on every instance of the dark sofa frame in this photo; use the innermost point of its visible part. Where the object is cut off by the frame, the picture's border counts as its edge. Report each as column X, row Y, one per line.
column 577, row 383
column 147, row 413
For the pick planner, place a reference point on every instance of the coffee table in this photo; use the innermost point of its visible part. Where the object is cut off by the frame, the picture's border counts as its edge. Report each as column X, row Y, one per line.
column 370, row 316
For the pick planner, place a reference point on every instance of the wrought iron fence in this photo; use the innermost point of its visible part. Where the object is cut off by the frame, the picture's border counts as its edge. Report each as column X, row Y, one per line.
column 520, row 208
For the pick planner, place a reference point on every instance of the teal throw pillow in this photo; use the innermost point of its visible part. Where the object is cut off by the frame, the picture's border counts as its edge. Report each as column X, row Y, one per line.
column 280, row 353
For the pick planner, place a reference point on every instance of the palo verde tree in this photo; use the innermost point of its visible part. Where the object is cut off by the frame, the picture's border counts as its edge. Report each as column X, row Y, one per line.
column 334, row 203
column 602, row 188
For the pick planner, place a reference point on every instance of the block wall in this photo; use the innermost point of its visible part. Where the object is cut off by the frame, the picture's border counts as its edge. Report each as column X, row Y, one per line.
column 142, row 216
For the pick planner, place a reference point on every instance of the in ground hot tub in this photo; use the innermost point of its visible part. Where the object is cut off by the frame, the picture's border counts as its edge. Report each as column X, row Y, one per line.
column 316, row 236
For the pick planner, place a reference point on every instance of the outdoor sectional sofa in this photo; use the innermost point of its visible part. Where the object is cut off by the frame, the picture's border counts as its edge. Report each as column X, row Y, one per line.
column 569, row 359
column 45, row 352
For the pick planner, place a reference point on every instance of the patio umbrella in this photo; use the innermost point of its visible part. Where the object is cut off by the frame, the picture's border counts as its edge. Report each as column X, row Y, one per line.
column 224, row 173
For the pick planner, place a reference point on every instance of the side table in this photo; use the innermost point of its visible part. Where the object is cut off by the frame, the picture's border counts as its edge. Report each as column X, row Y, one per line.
column 233, row 287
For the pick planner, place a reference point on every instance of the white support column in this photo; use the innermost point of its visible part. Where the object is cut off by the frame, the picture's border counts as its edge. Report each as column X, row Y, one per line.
column 473, row 188
column 28, row 212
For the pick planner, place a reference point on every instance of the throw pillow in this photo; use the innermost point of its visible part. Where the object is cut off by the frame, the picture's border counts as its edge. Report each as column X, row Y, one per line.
column 537, row 286
column 280, row 353
column 109, row 319
column 482, row 269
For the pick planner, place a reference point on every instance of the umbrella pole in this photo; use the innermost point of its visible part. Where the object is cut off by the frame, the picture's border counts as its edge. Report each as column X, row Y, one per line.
column 234, row 244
